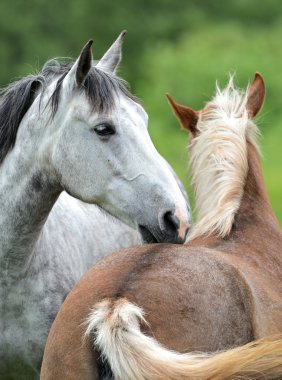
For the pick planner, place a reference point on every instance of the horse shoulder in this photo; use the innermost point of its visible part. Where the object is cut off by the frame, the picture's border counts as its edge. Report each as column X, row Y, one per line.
column 78, row 234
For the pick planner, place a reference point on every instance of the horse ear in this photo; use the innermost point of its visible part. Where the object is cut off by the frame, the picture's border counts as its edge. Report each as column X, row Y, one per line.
column 186, row 116
column 77, row 74
column 111, row 59
column 255, row 95
column 84, row 63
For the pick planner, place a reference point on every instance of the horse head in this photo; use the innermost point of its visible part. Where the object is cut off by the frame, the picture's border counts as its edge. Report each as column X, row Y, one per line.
column 97, row 147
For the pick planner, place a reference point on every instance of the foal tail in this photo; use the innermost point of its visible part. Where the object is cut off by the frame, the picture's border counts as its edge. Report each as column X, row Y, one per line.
column 135, row 356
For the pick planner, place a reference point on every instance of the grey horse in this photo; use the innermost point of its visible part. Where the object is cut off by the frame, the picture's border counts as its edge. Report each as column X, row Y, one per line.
column 69, row 136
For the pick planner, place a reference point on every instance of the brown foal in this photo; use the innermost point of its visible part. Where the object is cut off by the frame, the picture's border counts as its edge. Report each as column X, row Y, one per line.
column 222, row 289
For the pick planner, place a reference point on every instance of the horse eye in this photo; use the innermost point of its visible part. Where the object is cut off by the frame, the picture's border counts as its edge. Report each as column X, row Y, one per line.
column 104, row 129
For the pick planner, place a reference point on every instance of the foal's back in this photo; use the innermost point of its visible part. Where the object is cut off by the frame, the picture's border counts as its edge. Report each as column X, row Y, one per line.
column 207, row 295
column 194, row 298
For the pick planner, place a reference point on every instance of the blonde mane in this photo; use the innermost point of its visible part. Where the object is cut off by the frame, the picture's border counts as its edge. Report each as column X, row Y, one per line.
column 219, row 162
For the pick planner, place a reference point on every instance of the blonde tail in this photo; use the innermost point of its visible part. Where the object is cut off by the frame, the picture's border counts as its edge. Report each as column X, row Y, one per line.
column 134, row 356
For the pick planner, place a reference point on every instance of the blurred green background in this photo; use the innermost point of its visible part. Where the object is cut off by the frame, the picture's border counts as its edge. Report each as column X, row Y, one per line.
column 180, row 46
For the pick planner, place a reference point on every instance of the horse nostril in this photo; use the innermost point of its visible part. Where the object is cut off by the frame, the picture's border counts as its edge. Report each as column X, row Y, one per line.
column 171, row 221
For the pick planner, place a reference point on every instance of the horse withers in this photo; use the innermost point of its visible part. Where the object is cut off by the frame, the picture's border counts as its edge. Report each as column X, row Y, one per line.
column 72, row 127
column 223, row 289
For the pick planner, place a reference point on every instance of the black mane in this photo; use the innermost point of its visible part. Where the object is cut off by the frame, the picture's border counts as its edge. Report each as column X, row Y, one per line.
column 14, row 103
column 99, row 87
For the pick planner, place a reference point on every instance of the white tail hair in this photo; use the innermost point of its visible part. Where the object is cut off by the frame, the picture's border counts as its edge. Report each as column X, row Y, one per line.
column 219, row 162
column 132, row 355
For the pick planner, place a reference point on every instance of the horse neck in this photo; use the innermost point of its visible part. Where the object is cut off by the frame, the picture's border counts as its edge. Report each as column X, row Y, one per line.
column 255, row 209
column 27, row 194
column 254, row 217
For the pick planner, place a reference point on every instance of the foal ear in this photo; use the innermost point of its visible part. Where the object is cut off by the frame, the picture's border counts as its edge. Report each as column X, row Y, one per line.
column 186, row 116
column 111, row 59
column 255, row 95
column 77, row 74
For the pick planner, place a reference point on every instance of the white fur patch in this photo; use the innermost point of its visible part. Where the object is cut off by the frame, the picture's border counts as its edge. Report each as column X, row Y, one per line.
column 219, row 161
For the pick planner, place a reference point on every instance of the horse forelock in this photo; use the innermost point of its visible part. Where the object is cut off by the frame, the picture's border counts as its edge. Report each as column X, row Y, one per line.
column 99, row 87
column 219, row 160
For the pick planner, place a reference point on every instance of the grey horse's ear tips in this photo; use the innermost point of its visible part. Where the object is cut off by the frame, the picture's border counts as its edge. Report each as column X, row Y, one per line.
column 84, row 63
column 89, row 43
column 122, row 34
column 86, row 50
column 121, row 37
column 111, row 59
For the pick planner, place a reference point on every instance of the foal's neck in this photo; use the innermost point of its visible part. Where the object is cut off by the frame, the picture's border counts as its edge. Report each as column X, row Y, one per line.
column 26, row 198
column 254, row 216
column 255, row 209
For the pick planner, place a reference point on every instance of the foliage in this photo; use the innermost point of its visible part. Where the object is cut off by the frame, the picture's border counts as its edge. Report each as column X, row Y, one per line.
column 180, row 46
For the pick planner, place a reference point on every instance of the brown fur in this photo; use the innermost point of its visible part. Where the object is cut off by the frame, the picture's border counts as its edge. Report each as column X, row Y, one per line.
column 211, row 294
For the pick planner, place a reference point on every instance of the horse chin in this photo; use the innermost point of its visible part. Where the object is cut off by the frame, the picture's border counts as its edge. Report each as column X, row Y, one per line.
column 147, row 236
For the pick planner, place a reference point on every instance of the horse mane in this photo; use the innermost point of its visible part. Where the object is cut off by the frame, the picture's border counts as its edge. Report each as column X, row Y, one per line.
column 16, row 99
column 219, row 160
column 99, row 87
